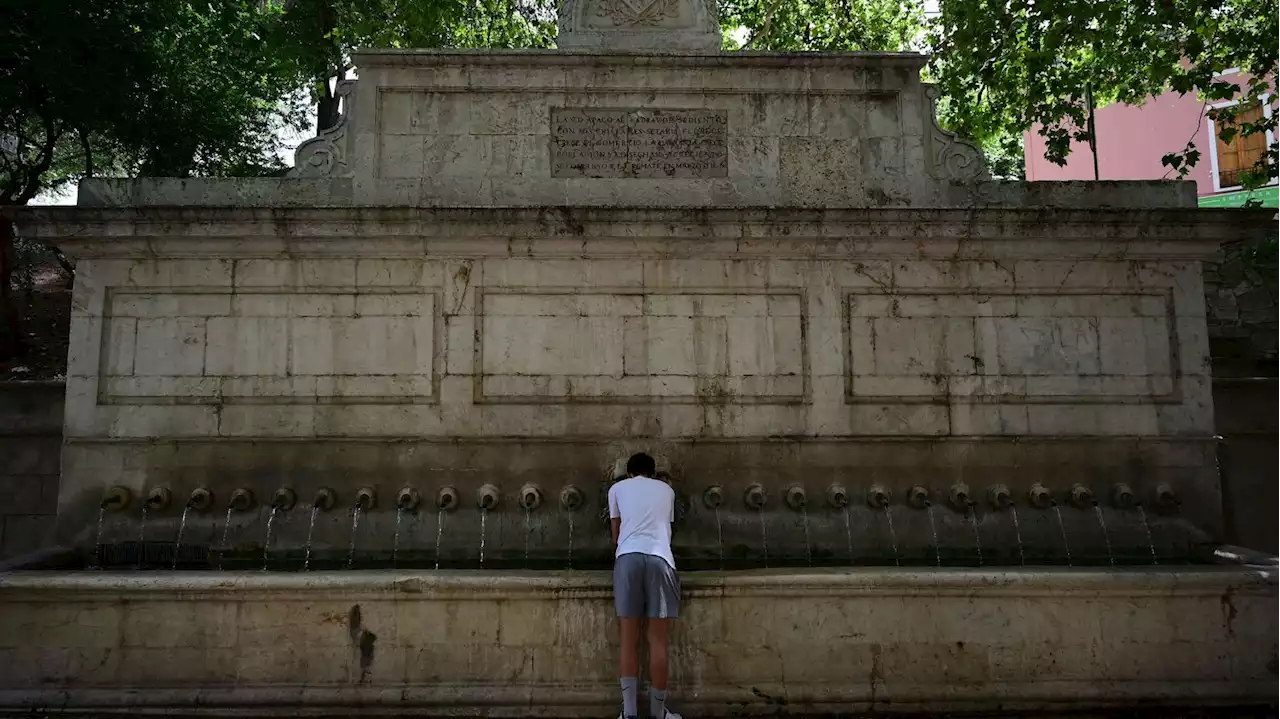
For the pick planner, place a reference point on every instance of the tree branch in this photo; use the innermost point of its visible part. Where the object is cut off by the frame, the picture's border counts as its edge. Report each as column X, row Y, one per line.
column 32, row 186
column 765, row 29
column 88, row 152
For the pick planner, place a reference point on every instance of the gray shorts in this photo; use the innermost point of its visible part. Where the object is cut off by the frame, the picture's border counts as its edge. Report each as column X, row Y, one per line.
column 645, row 586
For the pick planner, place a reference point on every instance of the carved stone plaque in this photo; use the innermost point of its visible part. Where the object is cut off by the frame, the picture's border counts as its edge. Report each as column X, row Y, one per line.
column 588, row 142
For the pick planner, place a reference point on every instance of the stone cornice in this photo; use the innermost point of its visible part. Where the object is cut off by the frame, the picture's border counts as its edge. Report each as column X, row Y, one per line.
column 368, row 59
column 600, row 232
column 479, row 586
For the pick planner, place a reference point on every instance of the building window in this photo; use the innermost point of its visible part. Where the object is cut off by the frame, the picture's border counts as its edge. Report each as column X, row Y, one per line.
column 1240, row 154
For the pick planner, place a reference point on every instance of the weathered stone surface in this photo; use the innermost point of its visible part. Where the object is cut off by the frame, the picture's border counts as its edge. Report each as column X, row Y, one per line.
column 535, row 341
column 776, row 642
column 638, row 143
column 653, row 26
column 30, row 450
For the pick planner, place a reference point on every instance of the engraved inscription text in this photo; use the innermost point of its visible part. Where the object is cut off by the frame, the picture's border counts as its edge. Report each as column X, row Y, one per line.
column 589, row 142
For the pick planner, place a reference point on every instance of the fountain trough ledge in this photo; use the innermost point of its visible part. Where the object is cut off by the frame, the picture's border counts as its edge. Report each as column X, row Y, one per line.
column 766, row 641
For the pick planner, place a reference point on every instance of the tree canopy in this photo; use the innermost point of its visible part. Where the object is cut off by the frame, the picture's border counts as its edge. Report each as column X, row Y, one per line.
column 824, row 25
column 137, row 87
column 321, row 34
column 1010, row 65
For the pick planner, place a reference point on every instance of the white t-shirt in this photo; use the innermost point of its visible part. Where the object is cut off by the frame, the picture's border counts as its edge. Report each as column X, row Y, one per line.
column 647, row 508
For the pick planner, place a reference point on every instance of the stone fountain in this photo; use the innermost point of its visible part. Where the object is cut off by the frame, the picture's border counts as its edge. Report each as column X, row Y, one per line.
column 941, row 443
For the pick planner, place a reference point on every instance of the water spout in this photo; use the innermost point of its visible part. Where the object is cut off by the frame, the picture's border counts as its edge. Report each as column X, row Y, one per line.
column 366, row 499
column 719, row 535
column 447, row 499
column 837, row 496
column 284, row 499
column 158, row 499
column 395, row 538
column 999, row 497
column 1146, row 526
column 1081, row 497
column 1166, row 499
column 1123, row 497
column 484, row 516
column 764, row 535
column 142, row 539
column 408, row 499
column 97, row 542
column 1017, row 534
column 324, row 499
column 201, row 500
column 713, row 497
column 528, row 534
column 311, row 528
column 182, row 527
column 1106, row 536
column 877, row 497
column 571, row 499
column 918, row 497
column 487, row 498
column 848, row 532
column 241, row 500
column 893, row 536
column 569, row 559
column 226, row 532
column 439, row 533
column 933, row 529
column 796, row 498
column 808, row 547
column 355, row 527
column 266, row 543
column 530, row 497
column 959, row 497
column 1039, row 496
column 977, row 536
column 117, row 499
column 1062, row 527
column 755, row 498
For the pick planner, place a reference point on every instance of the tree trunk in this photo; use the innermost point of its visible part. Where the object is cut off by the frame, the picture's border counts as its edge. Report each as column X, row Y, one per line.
column 11, row 344
column 329, row 109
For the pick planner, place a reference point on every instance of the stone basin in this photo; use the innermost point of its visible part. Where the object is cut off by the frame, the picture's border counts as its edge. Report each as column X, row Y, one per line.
column 791, row 642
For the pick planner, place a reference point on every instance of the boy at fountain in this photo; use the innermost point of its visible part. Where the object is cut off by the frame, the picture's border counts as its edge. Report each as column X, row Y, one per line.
column 646, row 589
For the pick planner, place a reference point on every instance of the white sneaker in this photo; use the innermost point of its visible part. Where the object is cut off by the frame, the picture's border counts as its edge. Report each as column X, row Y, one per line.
column 673, row 715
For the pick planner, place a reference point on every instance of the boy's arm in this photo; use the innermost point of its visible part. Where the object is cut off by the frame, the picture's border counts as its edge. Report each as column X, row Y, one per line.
column 671, row 514
column 615, row 517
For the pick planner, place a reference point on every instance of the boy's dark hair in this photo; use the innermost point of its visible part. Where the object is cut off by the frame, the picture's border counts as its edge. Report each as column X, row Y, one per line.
column 641, row 465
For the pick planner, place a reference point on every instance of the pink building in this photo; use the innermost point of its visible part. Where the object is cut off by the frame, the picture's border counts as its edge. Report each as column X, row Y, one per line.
column 1132, row 139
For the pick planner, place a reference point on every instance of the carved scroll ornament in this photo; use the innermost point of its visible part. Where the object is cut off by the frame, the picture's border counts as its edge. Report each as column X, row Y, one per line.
column 951, row 157
column 325, row 155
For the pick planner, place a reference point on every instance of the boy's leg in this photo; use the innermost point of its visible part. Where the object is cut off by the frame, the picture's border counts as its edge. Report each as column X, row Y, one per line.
column 628, row 599
column 628, row 665
column 663, row 588
column 656, row 635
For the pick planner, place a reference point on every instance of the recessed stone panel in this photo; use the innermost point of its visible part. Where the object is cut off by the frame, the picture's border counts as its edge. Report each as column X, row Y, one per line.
column 600, row 142
column 269, row 346
column 1053, row 346
column 637, row 347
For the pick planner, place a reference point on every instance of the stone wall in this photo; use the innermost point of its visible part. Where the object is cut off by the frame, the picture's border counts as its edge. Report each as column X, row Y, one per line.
column 1241, row 296
column 1246, row 411
column 309, row 348
column 774, row 643
column 30, row 449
